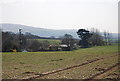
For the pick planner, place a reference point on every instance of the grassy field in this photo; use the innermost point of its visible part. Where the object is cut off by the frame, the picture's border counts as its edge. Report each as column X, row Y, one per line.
column 19, row 65
column 51, row 41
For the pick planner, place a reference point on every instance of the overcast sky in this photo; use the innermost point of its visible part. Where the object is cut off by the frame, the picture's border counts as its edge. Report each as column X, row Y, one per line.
column 62, row 14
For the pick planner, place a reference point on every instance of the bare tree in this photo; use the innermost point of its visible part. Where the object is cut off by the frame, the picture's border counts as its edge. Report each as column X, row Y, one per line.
column 69, row 41
column 96, row 39
column 35, row 45
column 107, row 37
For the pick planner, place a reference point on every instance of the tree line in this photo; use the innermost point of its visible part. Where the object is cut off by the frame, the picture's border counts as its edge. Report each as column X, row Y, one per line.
column 88, row 38
column 93, row 38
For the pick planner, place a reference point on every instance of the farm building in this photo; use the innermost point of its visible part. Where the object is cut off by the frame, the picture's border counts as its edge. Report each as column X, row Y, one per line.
column 62, row 47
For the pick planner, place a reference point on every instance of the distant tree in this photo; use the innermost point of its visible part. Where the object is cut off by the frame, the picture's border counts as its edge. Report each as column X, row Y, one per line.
column 84, row 35
column 96, row 39
column 45, row 45
column 52, row 37
column 68, row 40
column 107, row 37
column 35, row 45
column 30, row 36
column 9, row 41
column 24, row 42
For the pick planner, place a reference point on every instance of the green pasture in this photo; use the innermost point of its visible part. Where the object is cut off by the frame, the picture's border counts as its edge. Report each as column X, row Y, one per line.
column 17, row 65
column 51, row 41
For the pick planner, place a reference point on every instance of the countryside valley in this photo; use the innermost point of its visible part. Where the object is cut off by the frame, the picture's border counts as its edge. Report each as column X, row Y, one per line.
column 91, row 55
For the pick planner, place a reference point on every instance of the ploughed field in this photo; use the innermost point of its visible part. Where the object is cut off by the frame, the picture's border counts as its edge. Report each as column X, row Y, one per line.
column 96, row 62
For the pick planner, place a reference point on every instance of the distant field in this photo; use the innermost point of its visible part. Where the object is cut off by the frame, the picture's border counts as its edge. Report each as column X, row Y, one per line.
column 51, row 41
column 20, row 65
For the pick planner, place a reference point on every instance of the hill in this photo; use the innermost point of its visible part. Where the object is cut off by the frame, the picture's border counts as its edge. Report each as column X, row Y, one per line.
column 42, row 32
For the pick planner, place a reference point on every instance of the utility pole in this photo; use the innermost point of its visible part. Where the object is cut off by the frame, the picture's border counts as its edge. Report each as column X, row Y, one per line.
column 20, row 39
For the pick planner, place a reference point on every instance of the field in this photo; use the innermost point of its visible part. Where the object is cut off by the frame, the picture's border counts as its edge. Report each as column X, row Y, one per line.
column 51, row 41
column 89, row 61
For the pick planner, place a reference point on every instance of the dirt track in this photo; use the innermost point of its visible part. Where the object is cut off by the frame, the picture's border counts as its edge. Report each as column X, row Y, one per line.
column 101, row 75
column 59, row 70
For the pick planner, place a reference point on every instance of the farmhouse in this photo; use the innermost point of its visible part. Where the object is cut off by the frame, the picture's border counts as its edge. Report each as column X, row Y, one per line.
column 62, row 47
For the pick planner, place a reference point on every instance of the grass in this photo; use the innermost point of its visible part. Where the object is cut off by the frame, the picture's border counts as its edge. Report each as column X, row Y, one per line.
column 51, row 41
column 16, row 64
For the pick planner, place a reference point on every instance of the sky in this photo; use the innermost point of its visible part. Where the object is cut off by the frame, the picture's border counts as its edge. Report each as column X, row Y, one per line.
column 62, row 14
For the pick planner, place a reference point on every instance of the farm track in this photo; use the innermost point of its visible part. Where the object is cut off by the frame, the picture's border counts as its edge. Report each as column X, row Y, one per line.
column 38, row 75
column 104, row 73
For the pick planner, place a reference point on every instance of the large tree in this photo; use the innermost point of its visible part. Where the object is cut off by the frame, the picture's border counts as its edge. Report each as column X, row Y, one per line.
column 84, row 36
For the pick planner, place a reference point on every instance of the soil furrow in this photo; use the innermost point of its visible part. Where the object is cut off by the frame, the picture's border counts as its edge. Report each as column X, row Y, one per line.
column 59, row 70
column 103, row 73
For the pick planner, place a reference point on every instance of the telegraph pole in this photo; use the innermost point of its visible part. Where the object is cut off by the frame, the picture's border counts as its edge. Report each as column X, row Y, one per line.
column 20, row 39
